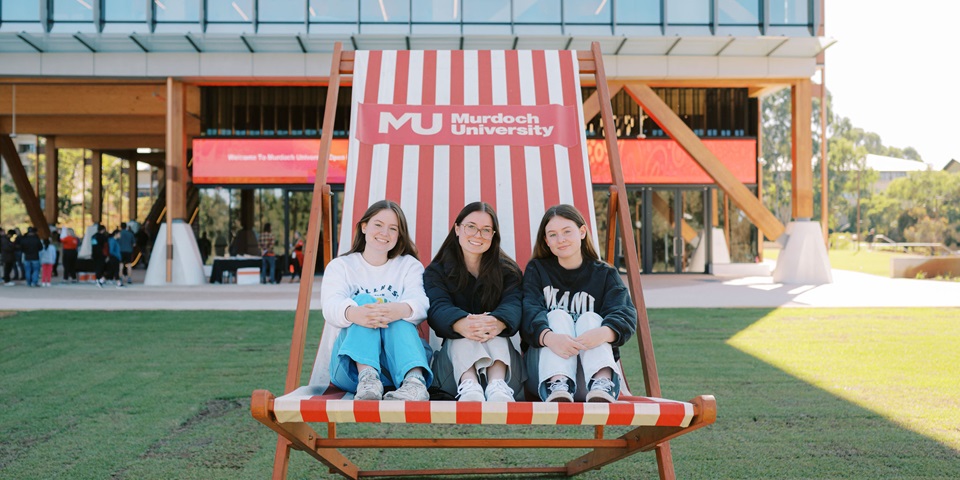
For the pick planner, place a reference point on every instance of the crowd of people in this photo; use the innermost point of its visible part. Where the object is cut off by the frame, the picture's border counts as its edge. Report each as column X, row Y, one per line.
column 570, row 310
column 34, row 261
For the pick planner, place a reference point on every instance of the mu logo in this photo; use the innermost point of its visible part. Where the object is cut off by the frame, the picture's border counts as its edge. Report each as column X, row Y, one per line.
column 388, row 120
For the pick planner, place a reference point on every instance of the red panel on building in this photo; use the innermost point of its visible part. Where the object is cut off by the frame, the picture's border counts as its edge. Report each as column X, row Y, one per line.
column 664, row 162
column 265, row 161
column 220, row 161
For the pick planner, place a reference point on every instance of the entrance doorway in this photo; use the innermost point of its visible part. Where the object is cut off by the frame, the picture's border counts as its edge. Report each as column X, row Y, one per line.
column 673, row 228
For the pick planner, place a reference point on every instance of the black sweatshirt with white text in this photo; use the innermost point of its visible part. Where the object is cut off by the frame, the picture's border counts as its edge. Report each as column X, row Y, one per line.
column 594, row 286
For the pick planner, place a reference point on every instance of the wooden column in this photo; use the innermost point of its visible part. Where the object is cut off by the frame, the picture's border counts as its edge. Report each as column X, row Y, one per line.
column 673, row 125
column 51, row 187
column 801, row 137
column 176, row 152
column 96, row 187
column 22, row 182
column 132, row 199
column 824, row 185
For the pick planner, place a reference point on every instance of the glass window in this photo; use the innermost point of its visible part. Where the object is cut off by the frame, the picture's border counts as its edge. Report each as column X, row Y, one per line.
column 124, row 11
column 639, row 12
column 739, row 12
column 288, row 11
column 176, row 10
column 237, row 11
column 536, row 11
column 486, row 11
column 436, row 11
column 72, row 10
column 688, row 12
column 385, row 11
column 14, row 11
column 324, row 11
column 587, row 11
column 788, row 12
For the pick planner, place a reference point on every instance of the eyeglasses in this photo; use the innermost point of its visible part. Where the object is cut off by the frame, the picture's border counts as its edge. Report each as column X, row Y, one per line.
column 470, row 230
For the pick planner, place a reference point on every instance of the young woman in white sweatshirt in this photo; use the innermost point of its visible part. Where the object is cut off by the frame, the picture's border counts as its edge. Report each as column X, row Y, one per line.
column 372, row 300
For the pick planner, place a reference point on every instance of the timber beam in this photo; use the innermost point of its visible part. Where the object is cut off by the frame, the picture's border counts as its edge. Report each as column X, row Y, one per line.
column 22, row 182
column 801, row 150
column 673, row 125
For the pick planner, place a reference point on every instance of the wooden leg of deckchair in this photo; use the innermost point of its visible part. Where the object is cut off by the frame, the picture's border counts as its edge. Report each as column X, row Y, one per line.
column 281, row 459
column 299, row 436
column 642, row 439
column 665, row 462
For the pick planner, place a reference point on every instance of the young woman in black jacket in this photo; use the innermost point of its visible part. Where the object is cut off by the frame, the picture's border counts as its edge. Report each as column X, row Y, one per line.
column 475, row 306
column 576, row 313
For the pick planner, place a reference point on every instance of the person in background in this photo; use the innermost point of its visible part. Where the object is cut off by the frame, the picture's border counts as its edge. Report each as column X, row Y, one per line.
column 143, row 243
column 99, row 252
column 8, row 250
column 115, row 258
column 48, row 258
column 30, row 246
column 127, row 241
column 296, row 263
column 69, row 243
column 55, row 241
column 203, row 243
column 268, row 268
column 576, row 314
column 18, row 272
column 475, row 307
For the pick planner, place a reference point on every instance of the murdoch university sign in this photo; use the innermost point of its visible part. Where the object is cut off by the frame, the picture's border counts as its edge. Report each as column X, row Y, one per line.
column 519, row 125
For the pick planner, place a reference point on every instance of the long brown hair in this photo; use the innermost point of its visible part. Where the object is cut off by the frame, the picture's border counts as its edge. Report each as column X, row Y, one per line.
column 542, row 250
column 495, row 264
column 404, row 245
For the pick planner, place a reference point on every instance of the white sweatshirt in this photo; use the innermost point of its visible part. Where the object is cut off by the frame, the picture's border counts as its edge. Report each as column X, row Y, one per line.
column 398, row 280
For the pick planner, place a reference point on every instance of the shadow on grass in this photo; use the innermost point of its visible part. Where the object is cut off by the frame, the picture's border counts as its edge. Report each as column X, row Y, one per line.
column 166, row 395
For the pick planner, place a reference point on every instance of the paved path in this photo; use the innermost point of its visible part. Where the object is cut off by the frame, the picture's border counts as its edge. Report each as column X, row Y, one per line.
column 850, row 289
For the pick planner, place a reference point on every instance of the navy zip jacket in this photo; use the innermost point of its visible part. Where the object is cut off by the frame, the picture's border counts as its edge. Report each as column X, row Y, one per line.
column 448, row 305
column 592, row 287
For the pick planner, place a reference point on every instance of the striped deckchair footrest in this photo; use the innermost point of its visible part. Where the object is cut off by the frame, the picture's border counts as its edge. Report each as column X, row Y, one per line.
column 311, row 404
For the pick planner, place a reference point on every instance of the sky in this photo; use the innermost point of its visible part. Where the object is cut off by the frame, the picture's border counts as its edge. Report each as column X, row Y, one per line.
column 895, row 71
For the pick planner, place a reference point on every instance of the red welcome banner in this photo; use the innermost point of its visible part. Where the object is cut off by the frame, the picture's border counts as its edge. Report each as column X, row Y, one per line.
column 220, row 161
column 520, row 125
column 665, row 162
column 265, row 161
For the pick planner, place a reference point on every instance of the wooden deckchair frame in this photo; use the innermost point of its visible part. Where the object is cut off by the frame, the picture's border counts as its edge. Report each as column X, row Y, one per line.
column 301, row 436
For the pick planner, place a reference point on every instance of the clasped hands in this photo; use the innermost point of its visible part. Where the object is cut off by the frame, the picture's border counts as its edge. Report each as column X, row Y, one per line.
column 566, row 346
column 479, row 327
column 377, row 315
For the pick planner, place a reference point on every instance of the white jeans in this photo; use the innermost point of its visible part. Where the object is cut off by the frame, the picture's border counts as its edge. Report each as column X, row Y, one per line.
column 591, row 361
column 465, row 353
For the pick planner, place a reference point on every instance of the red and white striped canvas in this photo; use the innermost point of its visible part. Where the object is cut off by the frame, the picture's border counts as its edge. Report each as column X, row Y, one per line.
column 406, row 144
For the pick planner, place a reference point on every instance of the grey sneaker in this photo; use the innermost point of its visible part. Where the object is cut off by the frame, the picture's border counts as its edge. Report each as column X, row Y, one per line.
column 559, row 391
column 369, row 386
column 499, row 391
column 601, row 390
column 469, row 391
column 412, row 389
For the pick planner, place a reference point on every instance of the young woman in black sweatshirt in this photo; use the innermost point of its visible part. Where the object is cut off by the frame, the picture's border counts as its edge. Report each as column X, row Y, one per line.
column 475, row 306
column 576, row 313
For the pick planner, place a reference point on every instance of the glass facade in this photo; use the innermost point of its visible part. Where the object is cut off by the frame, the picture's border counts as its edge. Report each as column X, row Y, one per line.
column 240, row 15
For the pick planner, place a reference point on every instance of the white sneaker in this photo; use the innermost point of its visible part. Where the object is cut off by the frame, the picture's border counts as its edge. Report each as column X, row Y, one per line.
column 499, row 391
column 412, row 389
column 369, row 386
column 9, row 284
column 469, row 391
column 601, row 390
column 559, row 391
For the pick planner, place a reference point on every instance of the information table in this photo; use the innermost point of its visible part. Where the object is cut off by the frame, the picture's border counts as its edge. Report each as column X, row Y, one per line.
column 231, row 264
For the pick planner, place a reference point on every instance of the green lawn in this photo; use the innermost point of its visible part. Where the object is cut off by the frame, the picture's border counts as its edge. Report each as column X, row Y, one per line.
column 874, row 262
column 801, row 393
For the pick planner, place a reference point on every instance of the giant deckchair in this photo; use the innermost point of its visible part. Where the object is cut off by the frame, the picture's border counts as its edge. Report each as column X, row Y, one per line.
column 434, row 130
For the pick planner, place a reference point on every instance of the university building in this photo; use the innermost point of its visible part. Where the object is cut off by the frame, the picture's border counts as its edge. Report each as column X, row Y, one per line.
column 192, row 88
